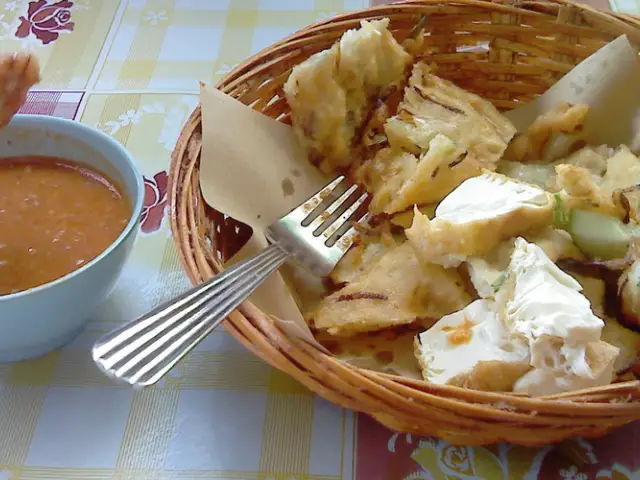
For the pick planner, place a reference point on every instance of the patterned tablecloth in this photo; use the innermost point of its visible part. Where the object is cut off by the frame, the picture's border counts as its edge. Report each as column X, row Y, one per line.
column 131, row 68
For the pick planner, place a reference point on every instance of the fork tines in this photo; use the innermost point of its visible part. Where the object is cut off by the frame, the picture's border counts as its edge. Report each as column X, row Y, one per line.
column 320, row 231
column 334, row 217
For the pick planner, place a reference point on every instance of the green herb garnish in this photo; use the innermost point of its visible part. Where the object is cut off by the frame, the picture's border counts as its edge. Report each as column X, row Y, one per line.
column 560, row 215
column 499, row 282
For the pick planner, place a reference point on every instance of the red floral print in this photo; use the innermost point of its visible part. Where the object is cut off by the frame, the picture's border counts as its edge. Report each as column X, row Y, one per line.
column 409, row 457
column 46, row 20
column 155, row 202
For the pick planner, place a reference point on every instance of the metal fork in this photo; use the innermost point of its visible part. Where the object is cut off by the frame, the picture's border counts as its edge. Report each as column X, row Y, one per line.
column 316, row 234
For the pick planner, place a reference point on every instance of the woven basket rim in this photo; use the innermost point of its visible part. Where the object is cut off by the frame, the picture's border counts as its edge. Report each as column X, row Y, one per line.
column 298, row 358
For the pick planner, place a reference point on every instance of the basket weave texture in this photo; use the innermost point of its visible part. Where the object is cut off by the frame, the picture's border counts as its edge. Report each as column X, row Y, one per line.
column 525, row 47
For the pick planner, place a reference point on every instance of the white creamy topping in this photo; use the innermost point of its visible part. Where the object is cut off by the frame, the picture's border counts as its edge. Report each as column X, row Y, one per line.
column 538, row 381
column 543, row 304
column 489, row 196
column 478, row 215
column 539, row 318
column 457, row 342
column 487, row 273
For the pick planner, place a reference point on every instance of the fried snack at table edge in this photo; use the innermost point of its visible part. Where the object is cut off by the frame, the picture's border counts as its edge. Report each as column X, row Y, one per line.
column 331, row 93
column 393, row 290
column 18, row 73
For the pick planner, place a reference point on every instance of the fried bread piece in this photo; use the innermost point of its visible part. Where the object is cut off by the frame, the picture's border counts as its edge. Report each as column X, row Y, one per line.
column 441, row 136
column 393, row 290
column 331, row 93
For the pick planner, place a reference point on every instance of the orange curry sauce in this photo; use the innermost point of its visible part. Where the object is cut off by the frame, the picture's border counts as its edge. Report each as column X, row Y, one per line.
column 55, row 216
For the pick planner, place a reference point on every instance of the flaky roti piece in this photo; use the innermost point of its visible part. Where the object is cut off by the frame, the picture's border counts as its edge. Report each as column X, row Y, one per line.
column 363, row 253
column 474, row 218
column 389, row 351
column 384, row 176
column 18, row 73
column 441, row 136
column 399, row 179
column 394, row 290
column 432, row 106
column 319, row 110
column 331, row 92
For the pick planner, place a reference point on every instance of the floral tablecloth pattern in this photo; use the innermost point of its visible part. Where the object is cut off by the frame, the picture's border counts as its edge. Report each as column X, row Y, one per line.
column 131, row 68
column 406, row 457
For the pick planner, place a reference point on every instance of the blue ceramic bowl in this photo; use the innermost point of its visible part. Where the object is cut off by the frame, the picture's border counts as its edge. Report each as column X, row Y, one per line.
column 36, row 321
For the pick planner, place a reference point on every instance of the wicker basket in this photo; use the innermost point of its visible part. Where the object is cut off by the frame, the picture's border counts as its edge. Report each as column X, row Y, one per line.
column 531, row 44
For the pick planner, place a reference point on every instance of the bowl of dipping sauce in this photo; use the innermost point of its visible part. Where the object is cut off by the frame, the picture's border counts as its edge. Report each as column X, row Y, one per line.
column 70, row 203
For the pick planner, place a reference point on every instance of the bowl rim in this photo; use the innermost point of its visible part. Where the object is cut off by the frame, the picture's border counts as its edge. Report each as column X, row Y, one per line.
column 85, row 131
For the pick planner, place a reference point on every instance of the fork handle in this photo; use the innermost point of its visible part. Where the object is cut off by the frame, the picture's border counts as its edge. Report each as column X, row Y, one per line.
column 143, row 351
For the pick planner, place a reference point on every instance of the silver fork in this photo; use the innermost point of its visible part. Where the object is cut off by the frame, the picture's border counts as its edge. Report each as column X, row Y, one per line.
column 316, row 234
